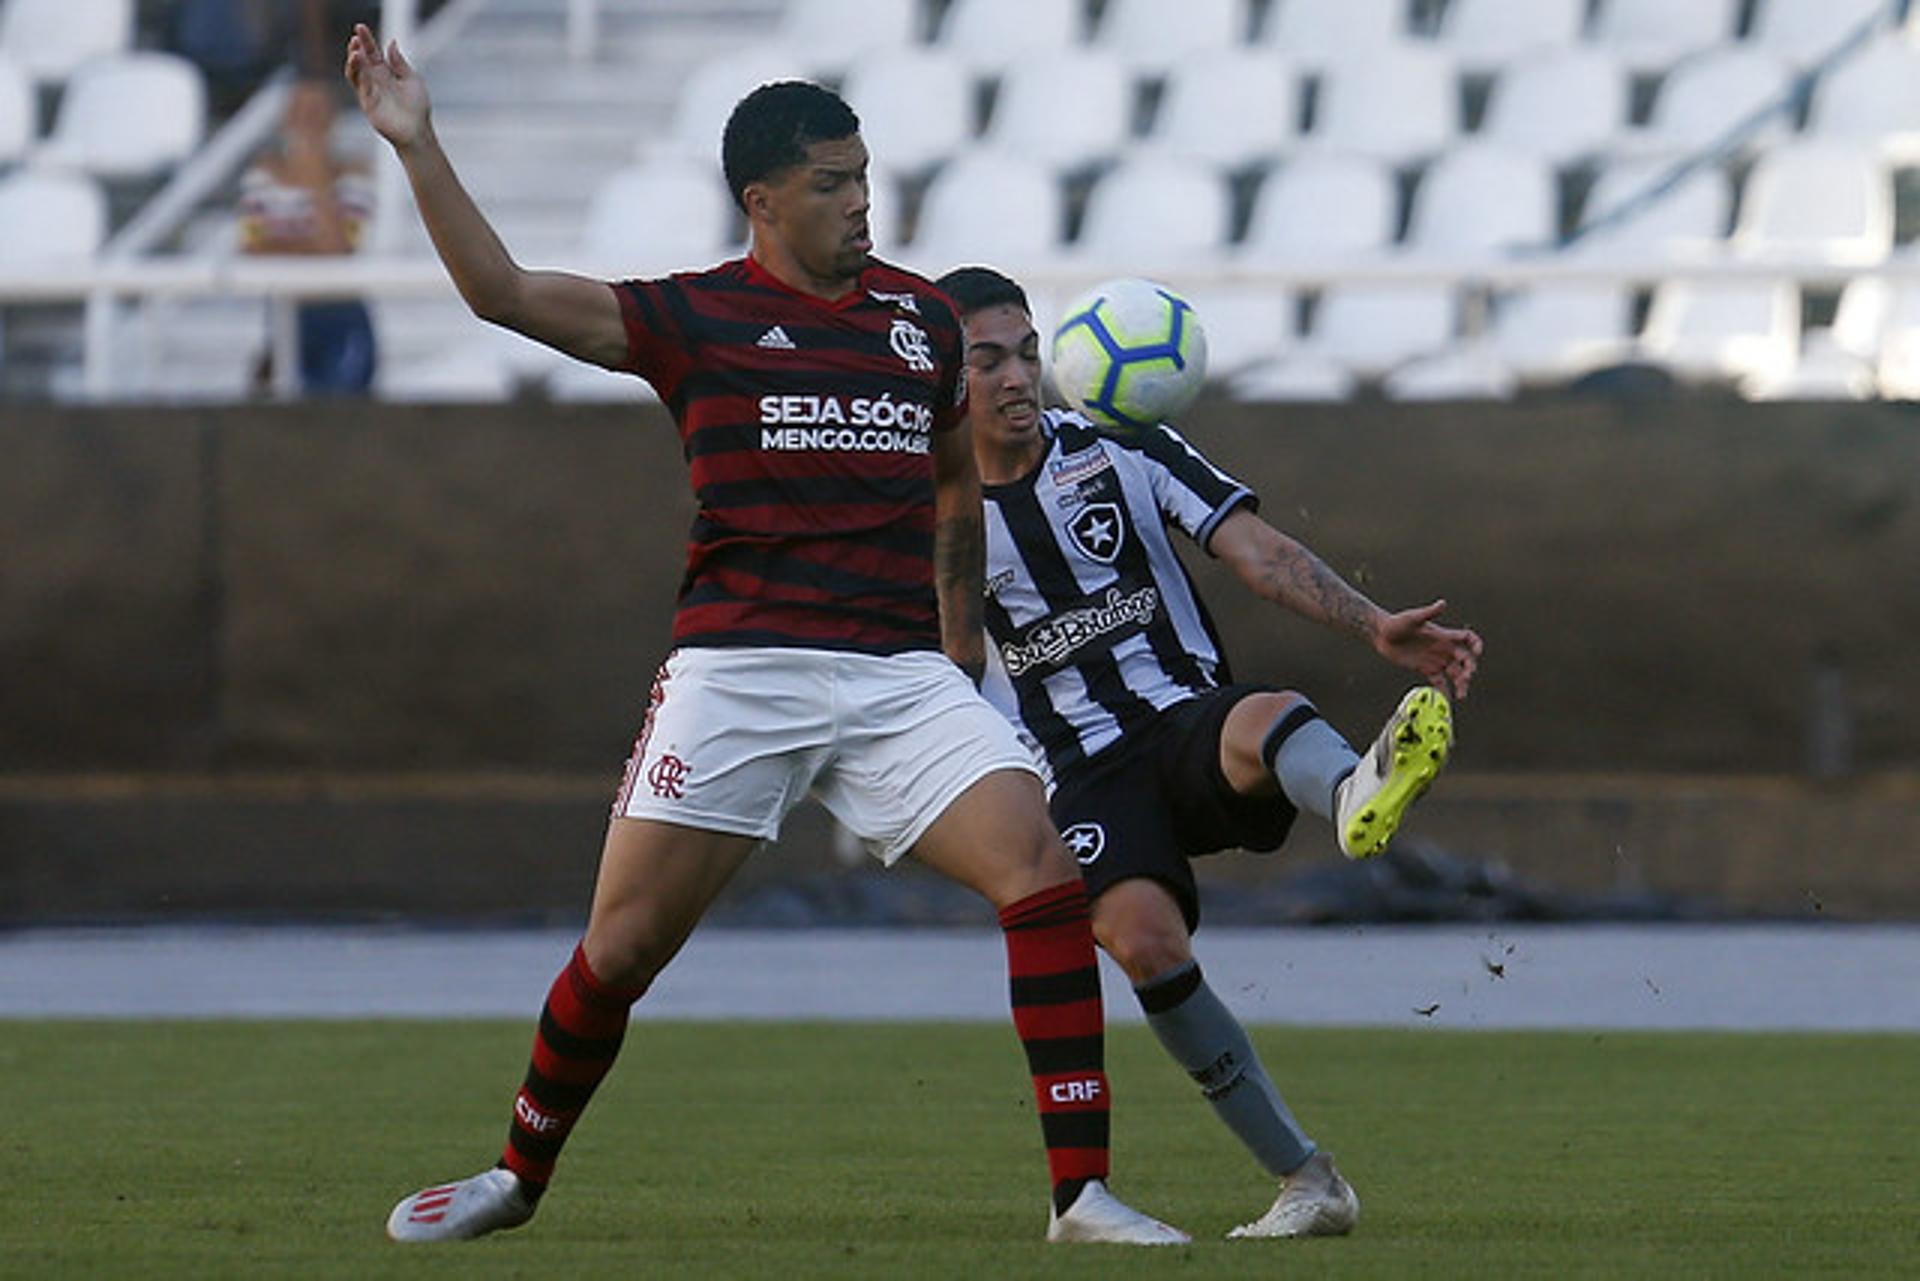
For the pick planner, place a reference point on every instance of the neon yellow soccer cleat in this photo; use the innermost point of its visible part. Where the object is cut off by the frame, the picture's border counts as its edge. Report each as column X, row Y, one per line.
column 1402, row 763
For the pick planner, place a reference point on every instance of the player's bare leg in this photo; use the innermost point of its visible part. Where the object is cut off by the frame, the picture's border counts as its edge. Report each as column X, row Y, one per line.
column 997, row 839
column 1140, row 924
column 656, row 881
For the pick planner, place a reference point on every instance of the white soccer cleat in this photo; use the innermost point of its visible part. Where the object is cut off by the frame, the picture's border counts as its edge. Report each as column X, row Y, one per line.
column 459, row 1211
column 1098, row 1215
column 1314, row 1201
column 1402, row 763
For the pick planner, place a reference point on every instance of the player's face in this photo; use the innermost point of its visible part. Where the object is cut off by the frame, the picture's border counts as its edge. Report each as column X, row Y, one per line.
column 818, row 209
column 1003, row 375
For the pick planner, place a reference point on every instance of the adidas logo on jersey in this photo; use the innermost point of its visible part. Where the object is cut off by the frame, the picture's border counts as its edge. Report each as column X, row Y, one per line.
column 775, row 339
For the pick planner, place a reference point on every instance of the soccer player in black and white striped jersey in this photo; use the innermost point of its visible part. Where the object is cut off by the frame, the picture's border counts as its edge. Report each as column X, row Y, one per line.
column 1103, row 655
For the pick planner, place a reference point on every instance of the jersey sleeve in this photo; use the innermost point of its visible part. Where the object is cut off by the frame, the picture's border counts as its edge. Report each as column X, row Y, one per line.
column 950, row 408
column 658, row 346
column 1192, row 492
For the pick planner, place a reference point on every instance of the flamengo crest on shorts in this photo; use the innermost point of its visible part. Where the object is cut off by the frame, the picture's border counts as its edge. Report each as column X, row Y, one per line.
column 1094, row 621
column 808, row 427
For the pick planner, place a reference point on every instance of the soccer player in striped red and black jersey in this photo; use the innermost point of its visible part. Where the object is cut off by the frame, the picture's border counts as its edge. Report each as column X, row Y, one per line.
column 827, row 623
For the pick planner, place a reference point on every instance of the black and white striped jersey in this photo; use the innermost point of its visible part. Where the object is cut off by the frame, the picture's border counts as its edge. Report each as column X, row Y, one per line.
column 1094, row 622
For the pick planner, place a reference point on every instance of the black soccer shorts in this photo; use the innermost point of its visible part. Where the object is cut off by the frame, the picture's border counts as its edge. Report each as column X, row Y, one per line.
column 1158, row 798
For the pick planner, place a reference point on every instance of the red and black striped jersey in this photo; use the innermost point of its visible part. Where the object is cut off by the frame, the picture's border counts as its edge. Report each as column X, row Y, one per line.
column 808, row 431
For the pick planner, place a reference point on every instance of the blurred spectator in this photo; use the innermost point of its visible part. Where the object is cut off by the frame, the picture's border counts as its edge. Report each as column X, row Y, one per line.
column 299, row 199
column 235, row 43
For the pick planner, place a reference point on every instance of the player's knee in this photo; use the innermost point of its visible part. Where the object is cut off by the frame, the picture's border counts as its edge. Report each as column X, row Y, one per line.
column 625, row 953
column 1144, row 952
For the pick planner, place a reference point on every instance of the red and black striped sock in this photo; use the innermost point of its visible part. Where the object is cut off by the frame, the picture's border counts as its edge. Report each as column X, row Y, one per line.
column 581, row 1027
column 1057, row 1012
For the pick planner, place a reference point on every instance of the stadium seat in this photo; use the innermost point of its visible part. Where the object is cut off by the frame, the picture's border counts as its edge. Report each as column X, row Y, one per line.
column 990, row 35
column 1245, row 327
column 1232, row 107
column 1724, row 330
column 1562, row 107
column 19, row 113
column 1652, row 35
column 49, row 39
column 1400, row 103
column 576, row 382
column 1481, row 198
column 711, row 90
column 1372, row 328
column 1891, row 316
column 468, row 374
column 1872, row 98
column 664, row 215
column 1066, row 109
column 1556, row 332
column 1825, row 200
column 1154, row 213
column 51, row 218
column 1313, row 33
column 1686, row 221
column 1485, row 35
column 915, row 106
column 1294, row 379
column 1321, row 207
column 1151, row 35
column 826, row 36
column 1801, row 32
column 1028, row 218
column 1469, row 371
column 1839, row 362
column 129, row 116
column 1704, row 98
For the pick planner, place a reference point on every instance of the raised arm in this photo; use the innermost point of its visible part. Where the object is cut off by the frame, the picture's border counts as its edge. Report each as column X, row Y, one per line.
column 575, row 314
column 1285, row 572
column 959, row 549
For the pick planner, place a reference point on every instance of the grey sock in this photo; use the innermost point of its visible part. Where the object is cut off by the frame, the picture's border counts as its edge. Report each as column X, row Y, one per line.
column 1309, row 757
column 1204, row 1038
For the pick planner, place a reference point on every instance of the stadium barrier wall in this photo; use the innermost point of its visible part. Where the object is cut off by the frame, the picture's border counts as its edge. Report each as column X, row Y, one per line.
column 1687, row 589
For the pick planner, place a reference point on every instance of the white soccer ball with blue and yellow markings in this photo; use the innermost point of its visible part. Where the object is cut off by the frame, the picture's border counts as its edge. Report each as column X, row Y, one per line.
column 1129, row 353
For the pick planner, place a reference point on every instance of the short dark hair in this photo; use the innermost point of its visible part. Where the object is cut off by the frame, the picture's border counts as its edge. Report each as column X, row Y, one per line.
column 772, row 127
column 978, row 288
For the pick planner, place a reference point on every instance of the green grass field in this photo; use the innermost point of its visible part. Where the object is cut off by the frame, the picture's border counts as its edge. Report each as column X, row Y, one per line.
column 736, row 1150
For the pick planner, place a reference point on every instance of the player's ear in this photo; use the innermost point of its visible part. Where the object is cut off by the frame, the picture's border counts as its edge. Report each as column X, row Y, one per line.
column 757, row 197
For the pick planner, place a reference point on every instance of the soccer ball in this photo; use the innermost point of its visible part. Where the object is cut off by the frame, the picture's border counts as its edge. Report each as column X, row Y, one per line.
column 1129, row 353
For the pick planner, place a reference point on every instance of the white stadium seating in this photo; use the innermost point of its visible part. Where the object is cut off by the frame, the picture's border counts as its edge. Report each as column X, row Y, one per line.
column 1151, row 35
column 1156, row 213
column 1484, row 35
column 50, row 218
column 50, row 38
column 18, row 112
column 1822, row 198
column 1804, row 31
column 128, row 116
column 1233, row 107
column 990, row 35
column 1653, row 35
column 915, row 105
column 1067, row 110
column 1316, row 32
column 1399, row 103
column 1563, row 106
column 1362, row 192
column 1027, row 213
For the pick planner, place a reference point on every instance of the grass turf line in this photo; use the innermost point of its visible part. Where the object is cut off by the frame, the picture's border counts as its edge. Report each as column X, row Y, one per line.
column 259, row 1149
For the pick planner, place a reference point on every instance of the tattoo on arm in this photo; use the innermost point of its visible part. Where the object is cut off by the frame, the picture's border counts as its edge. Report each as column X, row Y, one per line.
column 960, row 555
column 1300, row 580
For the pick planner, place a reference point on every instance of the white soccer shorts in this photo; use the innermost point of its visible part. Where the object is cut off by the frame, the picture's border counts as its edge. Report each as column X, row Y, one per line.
column 735, row 738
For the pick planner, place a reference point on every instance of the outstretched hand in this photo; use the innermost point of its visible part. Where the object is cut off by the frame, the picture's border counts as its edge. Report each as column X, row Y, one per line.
column 392, row 95
column 1446, row 656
